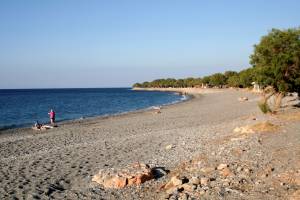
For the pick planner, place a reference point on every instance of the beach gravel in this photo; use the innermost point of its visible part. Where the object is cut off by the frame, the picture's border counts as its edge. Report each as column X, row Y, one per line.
column 59, row 163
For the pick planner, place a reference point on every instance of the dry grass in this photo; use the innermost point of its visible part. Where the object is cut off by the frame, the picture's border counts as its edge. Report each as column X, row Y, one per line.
column 256, row 128
column 264, row 127
column 293, row 116
column 241, row 133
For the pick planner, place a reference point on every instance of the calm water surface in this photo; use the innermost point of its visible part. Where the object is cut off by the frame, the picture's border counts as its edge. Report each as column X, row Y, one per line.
column 23, row 107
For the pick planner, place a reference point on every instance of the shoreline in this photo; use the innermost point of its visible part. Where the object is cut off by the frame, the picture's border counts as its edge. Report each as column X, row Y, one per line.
column 191, row 91
column 104, row 116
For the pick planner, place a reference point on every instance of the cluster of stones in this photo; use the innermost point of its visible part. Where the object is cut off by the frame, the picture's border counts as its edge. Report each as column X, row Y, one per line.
column 135, row 174
column 215, row 182
column 210, row 180
column 181, row 187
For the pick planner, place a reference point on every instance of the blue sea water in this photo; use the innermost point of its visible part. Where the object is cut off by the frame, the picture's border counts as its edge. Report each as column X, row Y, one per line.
column 22, row 107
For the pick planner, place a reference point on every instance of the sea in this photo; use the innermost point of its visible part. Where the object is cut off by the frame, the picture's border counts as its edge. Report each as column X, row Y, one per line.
column 23, row 107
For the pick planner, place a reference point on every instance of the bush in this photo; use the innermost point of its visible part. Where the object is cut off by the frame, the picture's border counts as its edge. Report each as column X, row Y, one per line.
column 276, row 60
column 264, row 107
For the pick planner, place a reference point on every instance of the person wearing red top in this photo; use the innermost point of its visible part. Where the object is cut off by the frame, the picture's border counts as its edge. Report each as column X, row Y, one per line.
column 52, row 116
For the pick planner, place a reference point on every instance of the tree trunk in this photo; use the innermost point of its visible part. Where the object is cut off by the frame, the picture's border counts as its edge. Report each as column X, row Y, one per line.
column 266, row 96
column 278, row 100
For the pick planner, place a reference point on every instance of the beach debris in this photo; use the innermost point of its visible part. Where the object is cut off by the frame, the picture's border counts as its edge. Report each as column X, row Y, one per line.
column 157, row 109
column 170, row 146
column 135, row 174
column 222, row 166
column 242, row 99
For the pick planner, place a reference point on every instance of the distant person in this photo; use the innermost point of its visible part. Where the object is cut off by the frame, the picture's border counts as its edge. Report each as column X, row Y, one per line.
column 52, row 116
column 37, row 125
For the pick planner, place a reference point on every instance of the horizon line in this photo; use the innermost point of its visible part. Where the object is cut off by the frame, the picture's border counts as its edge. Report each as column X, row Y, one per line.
column 50, row 88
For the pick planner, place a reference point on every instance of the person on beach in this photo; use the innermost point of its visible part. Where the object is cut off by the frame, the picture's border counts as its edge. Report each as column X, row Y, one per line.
column 37, row 125
column 52, row 116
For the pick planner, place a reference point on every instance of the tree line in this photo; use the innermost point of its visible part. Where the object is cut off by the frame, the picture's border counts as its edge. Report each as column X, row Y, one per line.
column 275, row 63
column 240, row 79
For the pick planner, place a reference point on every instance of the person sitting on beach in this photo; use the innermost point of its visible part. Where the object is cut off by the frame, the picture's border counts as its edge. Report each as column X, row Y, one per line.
column 37, row 125
column 52, row 116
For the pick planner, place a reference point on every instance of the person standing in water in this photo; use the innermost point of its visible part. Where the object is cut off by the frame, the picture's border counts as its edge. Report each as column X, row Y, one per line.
column 52, row 116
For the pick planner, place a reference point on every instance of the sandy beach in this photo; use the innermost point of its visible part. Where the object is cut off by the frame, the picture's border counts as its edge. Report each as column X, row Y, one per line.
column 59, row 163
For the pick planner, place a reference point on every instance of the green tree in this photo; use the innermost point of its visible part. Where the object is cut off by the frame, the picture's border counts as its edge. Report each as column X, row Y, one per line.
column 229, row 74
column 217, row 79
column 171, row 82
column 137, row 85
column 197, row 82
column 180, row 83
column 246, row 77
column 146, row 84
column 189, row 82
column 206, row 79
column 276, row 60
column 234, row 81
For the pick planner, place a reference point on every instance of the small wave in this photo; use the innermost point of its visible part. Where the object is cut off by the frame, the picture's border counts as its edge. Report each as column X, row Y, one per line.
column 184, row 97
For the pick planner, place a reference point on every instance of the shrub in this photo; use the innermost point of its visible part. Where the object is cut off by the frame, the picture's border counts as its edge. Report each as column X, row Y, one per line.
column 264, row 107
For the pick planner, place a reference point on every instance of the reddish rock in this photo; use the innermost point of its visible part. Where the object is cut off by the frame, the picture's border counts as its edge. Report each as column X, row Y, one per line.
column 226, row 172
column 171, row 190
column 204, row 181
column 133, row 175
column 115, row 182
column 187, row 187
column 176, row 180
column 141, row 178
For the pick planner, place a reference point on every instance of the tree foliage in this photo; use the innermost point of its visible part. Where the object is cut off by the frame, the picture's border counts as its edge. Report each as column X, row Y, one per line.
column 217, row 79
column 276, row 60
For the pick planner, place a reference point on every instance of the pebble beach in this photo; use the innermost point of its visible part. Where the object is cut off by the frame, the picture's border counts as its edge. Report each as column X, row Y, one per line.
column 59, row 163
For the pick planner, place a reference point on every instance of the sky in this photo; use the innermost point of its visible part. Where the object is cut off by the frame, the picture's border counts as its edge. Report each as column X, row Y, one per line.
column 111, row 43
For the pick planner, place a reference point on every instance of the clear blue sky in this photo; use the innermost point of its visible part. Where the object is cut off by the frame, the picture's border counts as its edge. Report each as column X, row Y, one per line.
column 110, row 43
